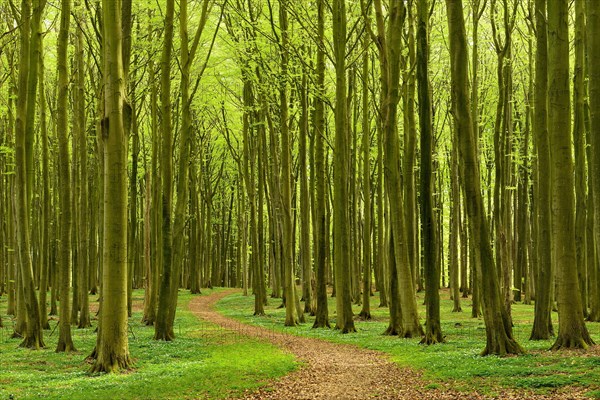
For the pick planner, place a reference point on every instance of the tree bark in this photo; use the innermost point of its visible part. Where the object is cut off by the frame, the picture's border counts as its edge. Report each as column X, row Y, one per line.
column 112, row 349
column 499, row 336
column 572, row 332
column 542, row 323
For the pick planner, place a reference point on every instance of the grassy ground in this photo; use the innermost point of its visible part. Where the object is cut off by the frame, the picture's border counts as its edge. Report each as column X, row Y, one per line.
column 458, row 360
column 203, row 362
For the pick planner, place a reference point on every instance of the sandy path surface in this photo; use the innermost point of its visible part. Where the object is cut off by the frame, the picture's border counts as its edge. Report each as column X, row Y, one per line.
column 339, row 371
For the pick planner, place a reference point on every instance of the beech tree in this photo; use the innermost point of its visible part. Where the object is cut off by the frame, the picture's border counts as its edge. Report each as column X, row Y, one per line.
column 499, row 336
column 572, row 332
column 112, row 349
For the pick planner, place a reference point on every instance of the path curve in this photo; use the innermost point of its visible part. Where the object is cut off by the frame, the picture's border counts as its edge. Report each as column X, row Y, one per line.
column 336, row 371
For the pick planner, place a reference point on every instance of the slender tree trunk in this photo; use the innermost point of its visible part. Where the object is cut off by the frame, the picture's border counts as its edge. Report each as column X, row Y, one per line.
column 33, row 334
column 455, row 229
column 365, row 313
column 163, row 328
column 47, row 200
column 82, row 223
column 341, row 223
column 289, row 283
column 305, row 213
column 431, row 260
column 542, row 323
column 65, row 342
column 322, row 313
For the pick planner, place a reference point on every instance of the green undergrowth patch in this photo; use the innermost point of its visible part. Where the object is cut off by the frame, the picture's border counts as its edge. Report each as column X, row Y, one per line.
column 456, row 362
column 203, row 361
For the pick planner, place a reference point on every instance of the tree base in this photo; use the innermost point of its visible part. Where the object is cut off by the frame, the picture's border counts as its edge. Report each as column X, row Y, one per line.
column 167, row 335
column 392, row 331
column 457, row 309
column 112, row 365
column 365, row 315
column 65, row 347
column 593, row 316
column 346, row 329
column 432, row 338
column 412, row 333
column 504, row 348
column 147, row 321
column 84, row 324
column 291, row 323
column 569, row 341
column 321, row 324
column 16, row 335
column 33, row 342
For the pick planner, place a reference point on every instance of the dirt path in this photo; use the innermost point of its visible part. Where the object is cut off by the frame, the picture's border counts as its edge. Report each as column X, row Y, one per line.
column 337, row 371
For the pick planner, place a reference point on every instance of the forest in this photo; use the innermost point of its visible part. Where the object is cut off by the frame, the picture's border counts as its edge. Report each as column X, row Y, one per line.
column 411, row 177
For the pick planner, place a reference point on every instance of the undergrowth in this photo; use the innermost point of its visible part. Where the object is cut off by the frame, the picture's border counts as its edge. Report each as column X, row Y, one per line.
column 203, row 361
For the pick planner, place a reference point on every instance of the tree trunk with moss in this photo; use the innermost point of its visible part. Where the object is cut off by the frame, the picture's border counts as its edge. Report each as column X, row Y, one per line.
column 33, row 334
column 593, row 38
column 365, row 312
column 82, row 221
column 542, row 322
column 163, row 327
column 499, row 336
column 65, row 342
column 431, row 260
column 572, row 332
column 320, row 230
column 292, row 317
column 112, row 351
column 404, row 320
column 341, row 219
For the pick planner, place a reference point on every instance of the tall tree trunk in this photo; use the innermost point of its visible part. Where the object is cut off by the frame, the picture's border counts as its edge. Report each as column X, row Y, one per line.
column 455, row 229
column 341, row 219
column 404, row 319
column 431, row 259
column 321, row 233
column 65, row 342
column 542, row 323
column 305, row 213
column 572, row 332
column 499, row 337
column 82, row 223
column 47, row 199
column 365, row 312
column 163, row 328
column 593, row 46
column 579, row 143
column 112, row 347
column 33, row 334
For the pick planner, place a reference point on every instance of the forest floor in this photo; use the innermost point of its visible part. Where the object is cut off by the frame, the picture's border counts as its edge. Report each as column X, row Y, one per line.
column 344, row 371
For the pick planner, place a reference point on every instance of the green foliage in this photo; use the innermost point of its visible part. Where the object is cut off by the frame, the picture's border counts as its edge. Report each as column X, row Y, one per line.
column 204, row 362
column 458, row 361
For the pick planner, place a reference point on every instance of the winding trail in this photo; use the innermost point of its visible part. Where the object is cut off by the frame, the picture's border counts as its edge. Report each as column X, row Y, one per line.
column 339, row 371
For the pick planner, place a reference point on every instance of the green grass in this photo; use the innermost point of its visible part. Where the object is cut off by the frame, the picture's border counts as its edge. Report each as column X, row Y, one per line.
column 457, row 361
column 203, row 362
